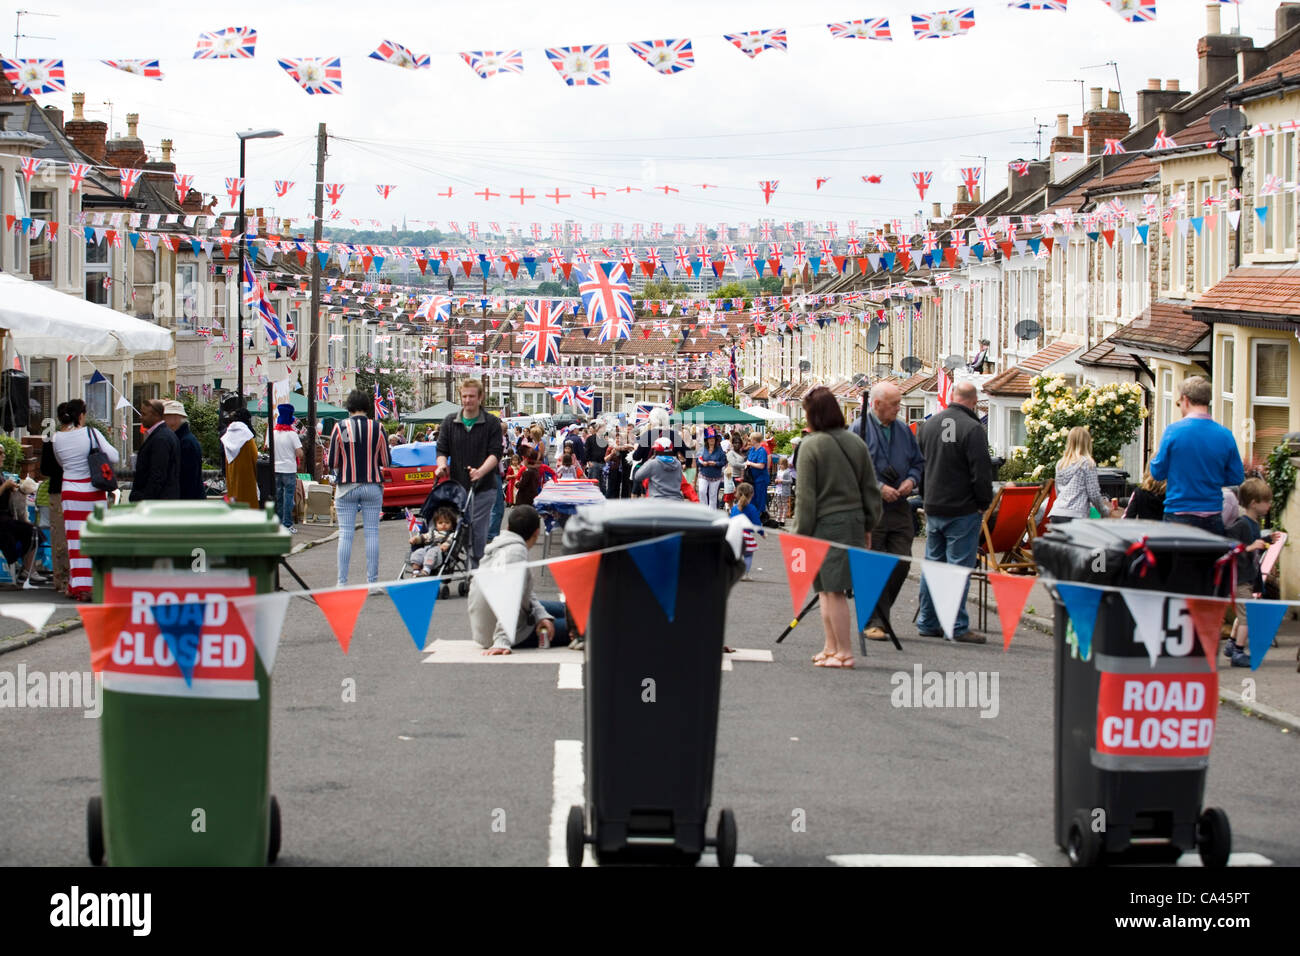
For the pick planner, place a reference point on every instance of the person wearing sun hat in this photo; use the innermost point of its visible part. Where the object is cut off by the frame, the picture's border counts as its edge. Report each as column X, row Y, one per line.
column 288, row 455
column 191, row 460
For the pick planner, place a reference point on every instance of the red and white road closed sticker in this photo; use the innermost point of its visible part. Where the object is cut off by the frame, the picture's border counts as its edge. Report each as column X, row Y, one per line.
column 1156, row 715
column 143, row 662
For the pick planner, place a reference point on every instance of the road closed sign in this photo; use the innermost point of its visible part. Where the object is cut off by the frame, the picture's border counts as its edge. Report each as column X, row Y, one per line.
column 183, row 636
column 1156, row 715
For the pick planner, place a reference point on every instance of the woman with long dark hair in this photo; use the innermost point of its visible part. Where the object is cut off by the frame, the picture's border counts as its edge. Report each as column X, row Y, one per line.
column 72, row 449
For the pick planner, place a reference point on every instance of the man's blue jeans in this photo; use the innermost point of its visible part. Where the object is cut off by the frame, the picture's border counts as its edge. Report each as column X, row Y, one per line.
column 285, row 485
column 1210, row 523
column 953, row 541
column 498, row 512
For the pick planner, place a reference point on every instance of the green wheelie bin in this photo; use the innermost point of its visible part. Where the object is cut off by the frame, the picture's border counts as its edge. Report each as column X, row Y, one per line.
column 185, row 757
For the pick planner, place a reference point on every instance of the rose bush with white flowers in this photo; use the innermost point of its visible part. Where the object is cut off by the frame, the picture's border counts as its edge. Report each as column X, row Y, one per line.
column 1112, row 413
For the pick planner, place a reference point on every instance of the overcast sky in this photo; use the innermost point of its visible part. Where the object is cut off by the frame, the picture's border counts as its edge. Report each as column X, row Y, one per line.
column 828, row 107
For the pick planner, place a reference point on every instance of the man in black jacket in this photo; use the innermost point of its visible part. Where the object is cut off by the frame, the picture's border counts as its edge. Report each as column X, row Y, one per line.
column 157, row 463
column 191, row 459
column 469, row 449
column 958, row 489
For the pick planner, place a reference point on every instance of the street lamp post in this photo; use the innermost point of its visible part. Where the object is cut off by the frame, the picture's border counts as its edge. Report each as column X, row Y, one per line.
column 243, row 249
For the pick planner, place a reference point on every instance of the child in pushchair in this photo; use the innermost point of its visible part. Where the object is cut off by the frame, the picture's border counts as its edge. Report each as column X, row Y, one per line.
column 450, row 543
column 430, row 547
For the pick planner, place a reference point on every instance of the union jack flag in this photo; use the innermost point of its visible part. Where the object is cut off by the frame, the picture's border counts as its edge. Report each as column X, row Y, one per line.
column 641, row 413
column 769, row 187
column 931, row 242
column 322, row 389
column 413, row 522
column 34, row 76
column 1272, row 185
column 29, row 165
column 128, row 178
column 392, row 399
column 434, row 307
column 255, row 298
column 149, row 69
column 282, row 187
column 970, row 176
column 922, row 181
column 1019, row 168
column 398, row 55
column 1164, row 141
column 945, row 23
column 491, row 62
column 385, row 191
column 316, row 74
column 607, row 299
column 581, row 65
column 334, row 191
column 665, row 56
column 76, row 173
column 381, row 410
column 234, row 187
column 877, row 29
column 1134, row 11
column 292, row 334
column 543, row 330
column 182, row 184
column 1041, row 5
column 753, row 42
column 232, row 43
column 1113, row 147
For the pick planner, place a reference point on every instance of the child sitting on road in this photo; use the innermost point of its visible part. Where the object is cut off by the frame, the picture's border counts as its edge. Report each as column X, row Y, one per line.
column 1255, row 498
column 431, row 547
column 744, row 506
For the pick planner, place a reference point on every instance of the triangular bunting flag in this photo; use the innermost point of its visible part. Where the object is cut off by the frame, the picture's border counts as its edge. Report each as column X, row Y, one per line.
column 263, row 617
column 947, row 586
column 341, row 609
column 34, row 616
column 1207, row 619
column 1262, row 213
column 181, row 626
column 1143, row 230
column 659, row 562
column 414, row 601
column 1148, row 611
column 1234, row 217
column 1081, row 604
column 1262, row 619
column 871, row 571
column 576, row 577
column 103, row 624
column 803, row 559
column 1011, row 591
column 503, row 589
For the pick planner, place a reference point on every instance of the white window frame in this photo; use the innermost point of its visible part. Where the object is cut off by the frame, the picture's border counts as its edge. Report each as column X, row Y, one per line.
column 49, row 214
column 187, row 294
column 1167, row 396
column 1227, row 377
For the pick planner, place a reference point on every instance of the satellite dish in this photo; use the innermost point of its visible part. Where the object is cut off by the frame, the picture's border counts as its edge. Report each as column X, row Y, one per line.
column 954, row 362
column 1028, row 329
column 1228, row 122
column 859, row 380
column 911, row 365
column 873, row 337
column 884, row 371
column 805, row 365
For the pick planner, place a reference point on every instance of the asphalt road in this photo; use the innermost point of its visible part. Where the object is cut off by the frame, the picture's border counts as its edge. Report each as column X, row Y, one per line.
column 437, row 762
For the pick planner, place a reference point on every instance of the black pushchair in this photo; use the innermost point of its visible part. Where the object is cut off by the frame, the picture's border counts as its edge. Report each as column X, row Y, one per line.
column 456, row 562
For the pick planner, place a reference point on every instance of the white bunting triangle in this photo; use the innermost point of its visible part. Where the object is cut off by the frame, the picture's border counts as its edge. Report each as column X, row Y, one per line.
column 503, row 589
column 947, row 586
column 122, row 402
column 1234, row 217
column 34, row 616
column 263, row 617
column 1148, row 611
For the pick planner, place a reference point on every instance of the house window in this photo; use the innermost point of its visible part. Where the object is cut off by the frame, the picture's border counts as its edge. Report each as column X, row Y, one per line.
column 97, row 397
column 97, row 270
column 42, row 393
column 20, row 211
column 1016, row 428
column 1227, row 380
column 187, row 295
column 1288, row 198
column 915, row 414
column 40, row 251
column 1271, row 407
column 1166, row 396
column 1176, row 279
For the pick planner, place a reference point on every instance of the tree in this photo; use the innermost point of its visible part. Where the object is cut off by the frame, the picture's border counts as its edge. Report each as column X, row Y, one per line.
column 718, row 393
column 559, row 289
column 203, row 418
column 664, row 289
column 391, row 374
column 770, row 285
column 733, row 290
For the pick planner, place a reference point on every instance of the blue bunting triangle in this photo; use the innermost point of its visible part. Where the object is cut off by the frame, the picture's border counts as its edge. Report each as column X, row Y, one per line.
column 324, row 258
column 377, row 264
column 696, row 266
column 658, row 562
column 1262, row 621
column 1081, row 604
column 180, row 626
column 1262, row 213
column 978, row 249
column 887, row 260
column 758, row 267
column 414, row 601
column 816, row 263
column 530, row 263
column 871, row 571
column 1143, row 230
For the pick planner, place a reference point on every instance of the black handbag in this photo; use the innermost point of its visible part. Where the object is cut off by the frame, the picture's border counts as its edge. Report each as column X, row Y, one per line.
column 101, row 469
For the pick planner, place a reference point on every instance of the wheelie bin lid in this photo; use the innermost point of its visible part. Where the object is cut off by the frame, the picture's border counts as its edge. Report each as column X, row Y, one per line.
column 592, row 526
column 1069, row 552
column 176, row 528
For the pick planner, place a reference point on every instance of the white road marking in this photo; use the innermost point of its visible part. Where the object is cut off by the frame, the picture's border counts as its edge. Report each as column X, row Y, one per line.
column 726, row 662
column 1234, row 859
column 567, row 788
column 907, row 859
column 570, row 677
column 467, row 652
column 751, row 656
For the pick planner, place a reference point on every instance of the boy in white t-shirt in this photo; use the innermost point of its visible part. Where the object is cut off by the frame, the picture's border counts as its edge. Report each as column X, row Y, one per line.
column 288, row 456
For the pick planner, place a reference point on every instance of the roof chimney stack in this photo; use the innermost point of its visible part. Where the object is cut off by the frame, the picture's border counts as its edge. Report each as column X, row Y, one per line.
column 1103, row 123
column 1217, row 51
column 87, row 135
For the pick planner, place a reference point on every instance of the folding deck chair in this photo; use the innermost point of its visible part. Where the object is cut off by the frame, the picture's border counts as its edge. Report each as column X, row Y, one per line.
column 1007, row 521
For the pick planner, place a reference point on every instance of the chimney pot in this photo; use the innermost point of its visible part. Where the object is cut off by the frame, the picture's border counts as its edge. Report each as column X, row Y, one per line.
column 1062, row 124
column 962, row 194
column 1171, row 86
column 1094, row 95
column 936, row 211
column 166, row 151
column 1153, row 84
column 1112, row 100
column 132, row 122
column 1213, row 23
column 78, row 106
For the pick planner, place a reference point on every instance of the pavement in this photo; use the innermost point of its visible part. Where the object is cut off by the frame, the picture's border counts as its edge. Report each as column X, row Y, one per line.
column 386, row 755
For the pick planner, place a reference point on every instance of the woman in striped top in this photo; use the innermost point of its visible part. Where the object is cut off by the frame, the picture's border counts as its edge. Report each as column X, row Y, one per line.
column 358, row 455
column 72, row 449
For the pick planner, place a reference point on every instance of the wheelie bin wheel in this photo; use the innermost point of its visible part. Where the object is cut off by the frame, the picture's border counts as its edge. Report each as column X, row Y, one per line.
column 1083, row 845
column 726, row 845
column 1213, row 837
column 575, row 836
column 462, row 588
column 273, row 843
column 444, row 591
column 95, row 830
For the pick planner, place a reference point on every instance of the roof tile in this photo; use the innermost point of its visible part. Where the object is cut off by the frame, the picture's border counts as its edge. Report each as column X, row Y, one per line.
column 1263, row 290
column 1016, row 380
column 1165, row 326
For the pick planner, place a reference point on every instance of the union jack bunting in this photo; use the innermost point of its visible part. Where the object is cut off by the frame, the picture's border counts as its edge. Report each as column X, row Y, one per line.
column 398, row 55
column 149, row 69
column 385, row 191
column 769, row 187
column 581, row 65
column 491, row 62
column 434, row 307
column 607, row 299
column 561, row 394
column 392, row 400
column 232, row 43
column 29, row 165
column 543, row 330
column 322, row 389
column 292, row 334
column 282, row 187
column 1041, row 5
column 316, row 74
column 665, row 56
column 1272, row 185
column 255, row 298
column 34, row 76
column 1113, row 147
column 753, row 42
column 381, row 410
column 970, row 177
column 234, row 187
column 1134, row 11
column 334, row 191
column 182, row 184
column 922, row 180
column 877, row 29
column 945, row 23
column 128, row 178
column 584, row 398
column 1164, row 141
column 641, row 413
column 1019, row 168
column 76, row 173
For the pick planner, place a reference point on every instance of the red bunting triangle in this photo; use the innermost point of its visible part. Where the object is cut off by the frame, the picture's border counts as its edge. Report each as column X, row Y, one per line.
column 103, row 624
column 467, row 265
column 950, row 256
column 341, row 609
column 1109, row 236
column 1207, row 620
column 647, row 268
column 566, row 268
column 803, row 559
column 365, row 262
column 9, row 222
column 1011, row 591
column 576, row 577
column 718, row 266
column 863, row 264
column 775, row 266
column 1048, row 241
column 1007, row 249
column 422, row 263
column 302, row 257
column 225, row 248
column 444, row 255
column 645, row 333
column 512, row 266
column 839, row 262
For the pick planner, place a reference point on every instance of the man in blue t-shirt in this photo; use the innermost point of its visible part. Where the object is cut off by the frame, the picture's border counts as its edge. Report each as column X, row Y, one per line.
column 1198, row 457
